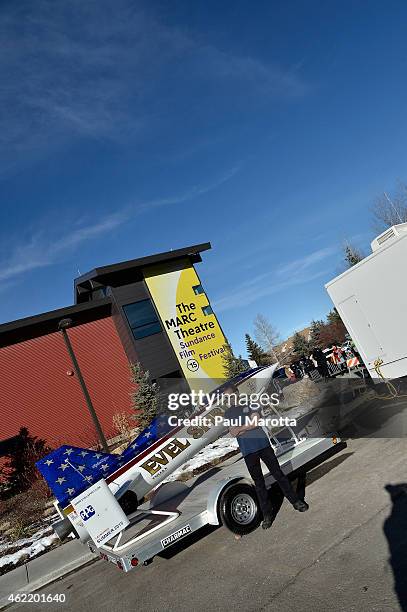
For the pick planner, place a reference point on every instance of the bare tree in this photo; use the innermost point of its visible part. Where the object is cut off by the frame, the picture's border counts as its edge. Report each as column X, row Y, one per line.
column 390, row 210
column 266, row 335
column 351, row 254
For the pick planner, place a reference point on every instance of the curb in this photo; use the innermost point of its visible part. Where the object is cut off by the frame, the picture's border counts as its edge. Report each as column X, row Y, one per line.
column 43, row 570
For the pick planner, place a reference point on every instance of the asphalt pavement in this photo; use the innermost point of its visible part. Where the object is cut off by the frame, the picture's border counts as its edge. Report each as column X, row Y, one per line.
column 347, row 553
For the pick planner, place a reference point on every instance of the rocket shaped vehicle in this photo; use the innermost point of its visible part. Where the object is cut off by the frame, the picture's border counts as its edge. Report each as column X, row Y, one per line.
column 157, row 451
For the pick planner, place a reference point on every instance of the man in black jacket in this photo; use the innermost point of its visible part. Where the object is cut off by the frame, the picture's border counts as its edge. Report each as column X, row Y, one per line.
column 322, row 362
column 255, row 445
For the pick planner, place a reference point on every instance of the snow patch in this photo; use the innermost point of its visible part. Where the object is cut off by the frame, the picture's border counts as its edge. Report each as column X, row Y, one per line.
column 30, row 547
column 215, row 450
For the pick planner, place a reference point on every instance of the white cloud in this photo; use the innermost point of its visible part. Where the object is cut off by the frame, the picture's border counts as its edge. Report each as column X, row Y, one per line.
column 303, row 263
column 295, row 272
column 92, row 69
column 43, row 250
column 67, row 69
column 250, row 292
column 25, row 257
column 271, row 79
column 82, row 234
column 190, row 194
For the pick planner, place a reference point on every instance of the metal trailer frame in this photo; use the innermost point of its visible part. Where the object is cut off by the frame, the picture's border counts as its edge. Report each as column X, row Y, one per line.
column 184, row 508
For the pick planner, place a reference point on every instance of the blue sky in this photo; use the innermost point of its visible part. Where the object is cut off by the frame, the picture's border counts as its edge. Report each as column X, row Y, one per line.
column 130, row 128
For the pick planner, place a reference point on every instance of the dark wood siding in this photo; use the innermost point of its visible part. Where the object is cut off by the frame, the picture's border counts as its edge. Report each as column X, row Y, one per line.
column 155, row 352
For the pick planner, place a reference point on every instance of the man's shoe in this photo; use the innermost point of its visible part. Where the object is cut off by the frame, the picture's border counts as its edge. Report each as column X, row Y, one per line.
column 301, row 506
column 267, row 521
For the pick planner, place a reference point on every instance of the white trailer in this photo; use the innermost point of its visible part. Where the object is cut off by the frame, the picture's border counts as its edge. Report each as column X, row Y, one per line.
column 371, row 298
column 224, row 495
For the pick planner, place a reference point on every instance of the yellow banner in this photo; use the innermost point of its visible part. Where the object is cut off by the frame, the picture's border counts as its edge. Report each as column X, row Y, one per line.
column 190, row 324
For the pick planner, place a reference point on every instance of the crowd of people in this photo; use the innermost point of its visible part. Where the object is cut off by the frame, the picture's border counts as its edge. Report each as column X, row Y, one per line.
column 319, row 361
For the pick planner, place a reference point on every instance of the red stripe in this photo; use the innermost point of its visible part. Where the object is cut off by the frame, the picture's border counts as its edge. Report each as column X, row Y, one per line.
column 141, row 456
column 148, row 450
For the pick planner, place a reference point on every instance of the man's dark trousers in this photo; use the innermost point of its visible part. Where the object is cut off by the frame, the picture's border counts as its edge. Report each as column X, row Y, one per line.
column 253, row 465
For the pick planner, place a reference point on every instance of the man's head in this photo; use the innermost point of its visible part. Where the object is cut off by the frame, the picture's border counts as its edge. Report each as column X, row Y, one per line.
column 230, row 393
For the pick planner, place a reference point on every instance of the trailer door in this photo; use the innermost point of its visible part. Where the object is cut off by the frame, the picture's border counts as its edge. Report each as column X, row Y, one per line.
column 360, row 329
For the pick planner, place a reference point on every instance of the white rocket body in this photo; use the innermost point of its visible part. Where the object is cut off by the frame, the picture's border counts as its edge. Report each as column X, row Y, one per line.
column 149, row 468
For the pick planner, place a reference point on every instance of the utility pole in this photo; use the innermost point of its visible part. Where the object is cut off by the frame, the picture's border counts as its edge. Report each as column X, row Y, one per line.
column 63, row 326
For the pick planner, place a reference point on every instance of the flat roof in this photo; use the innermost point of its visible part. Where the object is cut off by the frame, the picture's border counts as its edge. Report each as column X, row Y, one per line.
column 130, row 271
column 90, row 310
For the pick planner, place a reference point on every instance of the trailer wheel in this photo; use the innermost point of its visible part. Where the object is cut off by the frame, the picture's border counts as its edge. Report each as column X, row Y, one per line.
column 129, row 502
column 239, row 509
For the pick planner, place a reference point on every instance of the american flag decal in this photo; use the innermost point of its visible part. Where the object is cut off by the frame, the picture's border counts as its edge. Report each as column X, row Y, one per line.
column 69, row 470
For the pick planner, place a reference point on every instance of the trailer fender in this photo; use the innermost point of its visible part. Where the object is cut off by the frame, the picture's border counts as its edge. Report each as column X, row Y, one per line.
column 215, row 493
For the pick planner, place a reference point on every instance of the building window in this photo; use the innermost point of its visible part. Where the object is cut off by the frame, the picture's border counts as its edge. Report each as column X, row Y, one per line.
column 207, row 310
column 142, row 319
column 198, row 289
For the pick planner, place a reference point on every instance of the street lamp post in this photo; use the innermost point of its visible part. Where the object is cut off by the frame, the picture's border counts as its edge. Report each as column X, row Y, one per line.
column 63, row 326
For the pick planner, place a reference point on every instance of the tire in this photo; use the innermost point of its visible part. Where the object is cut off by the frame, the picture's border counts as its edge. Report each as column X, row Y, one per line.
column 239, row 509
column 129, row 502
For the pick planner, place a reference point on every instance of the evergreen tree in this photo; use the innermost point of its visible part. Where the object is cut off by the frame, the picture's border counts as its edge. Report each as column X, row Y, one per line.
column 145, row 398
column 256, row 353
column 316, row 327
column 232, row 366
column 19, row 470
column 352, row 255
column 300, row 345
column 333, row 316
